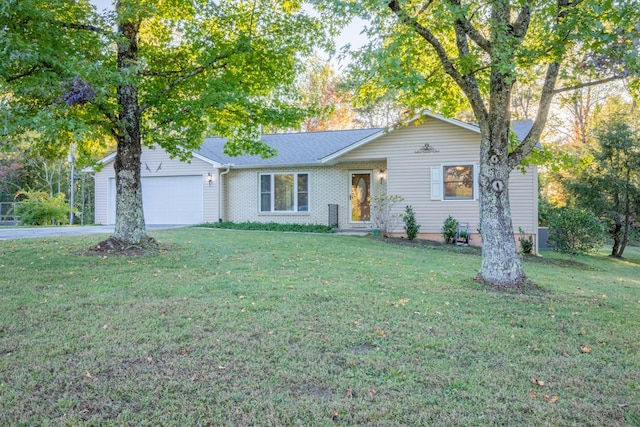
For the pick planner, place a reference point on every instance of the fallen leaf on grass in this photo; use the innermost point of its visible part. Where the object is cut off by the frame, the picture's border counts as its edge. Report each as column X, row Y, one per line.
column 400, row 302
column 87, row 375
column 537, row 382
column 372, row 391
column 533, row 394
column 550, row 399
column 349, row 392
column 585, row 349
column 380, row 332
column 184, row 351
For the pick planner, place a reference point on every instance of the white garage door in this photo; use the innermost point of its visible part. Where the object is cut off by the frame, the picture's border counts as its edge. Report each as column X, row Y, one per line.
column 167, row 200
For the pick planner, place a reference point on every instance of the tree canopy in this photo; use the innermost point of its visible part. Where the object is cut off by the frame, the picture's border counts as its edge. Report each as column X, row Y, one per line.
column 150, row 73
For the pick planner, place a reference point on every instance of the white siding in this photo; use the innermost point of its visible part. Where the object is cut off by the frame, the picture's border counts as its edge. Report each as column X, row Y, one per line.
column 157, row 163
column 409, row 174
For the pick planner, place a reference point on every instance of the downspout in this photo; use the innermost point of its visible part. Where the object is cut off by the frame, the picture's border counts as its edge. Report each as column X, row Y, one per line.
column 220, row 190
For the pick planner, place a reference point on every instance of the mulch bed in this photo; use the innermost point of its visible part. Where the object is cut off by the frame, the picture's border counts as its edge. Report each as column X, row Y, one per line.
column 113, row 246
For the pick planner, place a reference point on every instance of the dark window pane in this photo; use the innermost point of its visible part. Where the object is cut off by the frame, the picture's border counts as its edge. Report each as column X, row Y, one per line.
column 265, row 183
column 458, row 182
column 265, row 193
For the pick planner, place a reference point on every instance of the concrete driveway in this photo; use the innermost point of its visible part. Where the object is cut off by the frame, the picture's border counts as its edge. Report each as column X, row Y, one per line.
column 36, row 232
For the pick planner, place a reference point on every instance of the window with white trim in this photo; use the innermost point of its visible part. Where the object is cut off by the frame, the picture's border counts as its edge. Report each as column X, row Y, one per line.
column 284, row 192
column 454, row 182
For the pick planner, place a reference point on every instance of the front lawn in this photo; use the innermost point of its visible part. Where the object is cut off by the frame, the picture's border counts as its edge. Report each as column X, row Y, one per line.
column 278, row 329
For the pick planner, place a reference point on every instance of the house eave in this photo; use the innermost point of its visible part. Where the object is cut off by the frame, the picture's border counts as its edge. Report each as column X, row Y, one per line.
column 455, row 122
column 272, row 166
column 332, row 159
column 212, row 162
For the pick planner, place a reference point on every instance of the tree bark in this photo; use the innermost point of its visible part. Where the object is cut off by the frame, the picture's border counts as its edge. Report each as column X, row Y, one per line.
column 130, row 227
column 615, row 234
column 501, row 265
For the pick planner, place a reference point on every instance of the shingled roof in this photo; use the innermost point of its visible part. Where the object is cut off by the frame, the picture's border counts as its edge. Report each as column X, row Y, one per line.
column 310, row 148
column 302, row 148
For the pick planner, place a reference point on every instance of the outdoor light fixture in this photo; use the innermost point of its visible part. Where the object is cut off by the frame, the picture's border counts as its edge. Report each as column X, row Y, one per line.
column 209, row 178
column 381, row 175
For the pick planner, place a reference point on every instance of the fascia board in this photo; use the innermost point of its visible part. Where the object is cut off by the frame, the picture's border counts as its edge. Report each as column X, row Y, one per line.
column 207, row 160
column 279, row 166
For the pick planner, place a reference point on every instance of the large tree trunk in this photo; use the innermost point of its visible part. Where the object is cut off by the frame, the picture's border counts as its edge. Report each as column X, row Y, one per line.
column 615, row 234
column 130, row 227
column 501, row 264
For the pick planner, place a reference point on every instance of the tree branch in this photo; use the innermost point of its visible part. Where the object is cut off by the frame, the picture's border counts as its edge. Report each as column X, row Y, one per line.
column 471, row 88
column 588, row 84
column 465, row 82
column 530, row 141
column 521, row 25
column 27, row 73
column 83, row 27
column 183, row 77
column 547, row 93
column 466, row 25
column 108, row 114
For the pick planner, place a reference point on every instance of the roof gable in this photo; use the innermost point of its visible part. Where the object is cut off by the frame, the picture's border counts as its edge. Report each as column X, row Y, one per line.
column 520, row 128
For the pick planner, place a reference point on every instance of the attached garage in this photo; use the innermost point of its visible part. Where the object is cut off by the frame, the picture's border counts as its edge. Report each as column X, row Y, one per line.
column 167, row 200
column 173, row 192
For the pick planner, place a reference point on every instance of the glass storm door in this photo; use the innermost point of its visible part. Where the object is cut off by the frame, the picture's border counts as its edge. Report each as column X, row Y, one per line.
column 360, row 196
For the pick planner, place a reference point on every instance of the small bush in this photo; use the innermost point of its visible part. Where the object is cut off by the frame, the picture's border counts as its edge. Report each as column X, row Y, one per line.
column 450, row 229
column 575, row 231
column 381, row 207
column 410, row 224
column 270, row 226
column 526, row 243
column 38, row 208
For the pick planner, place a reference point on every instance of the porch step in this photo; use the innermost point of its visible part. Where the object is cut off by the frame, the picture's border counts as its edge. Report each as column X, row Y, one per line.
column 353, row 231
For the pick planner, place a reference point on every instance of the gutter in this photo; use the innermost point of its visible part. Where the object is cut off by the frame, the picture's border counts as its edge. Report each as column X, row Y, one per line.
column 220, row 189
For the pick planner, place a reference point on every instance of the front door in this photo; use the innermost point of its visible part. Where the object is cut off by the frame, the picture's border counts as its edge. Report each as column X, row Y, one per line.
column 361, row 196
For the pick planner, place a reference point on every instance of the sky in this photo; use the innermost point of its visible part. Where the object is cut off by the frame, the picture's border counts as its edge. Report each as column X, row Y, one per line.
column 351, row 35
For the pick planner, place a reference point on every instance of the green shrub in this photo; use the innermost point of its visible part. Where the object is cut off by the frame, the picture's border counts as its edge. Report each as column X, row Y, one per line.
column 526, row 243
column 270, row 226
column 450, row 229
column 410, row 224
column 575, row 231
column 38, row 208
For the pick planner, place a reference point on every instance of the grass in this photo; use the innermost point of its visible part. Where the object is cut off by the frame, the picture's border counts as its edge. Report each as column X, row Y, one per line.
column 272, row 329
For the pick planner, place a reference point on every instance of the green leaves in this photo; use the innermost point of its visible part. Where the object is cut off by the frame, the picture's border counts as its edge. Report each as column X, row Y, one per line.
column 220, row 68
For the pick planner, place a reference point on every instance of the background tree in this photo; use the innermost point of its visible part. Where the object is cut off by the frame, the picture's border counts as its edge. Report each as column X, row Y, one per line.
column 450, row 55
column 609, row 185
column 150, row 73
column 322, row 91
column 575, row 231
column 380, row 112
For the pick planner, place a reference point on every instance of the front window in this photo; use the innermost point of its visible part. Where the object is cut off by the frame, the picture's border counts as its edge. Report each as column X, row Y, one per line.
column 284, row 192
column 458, row 182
